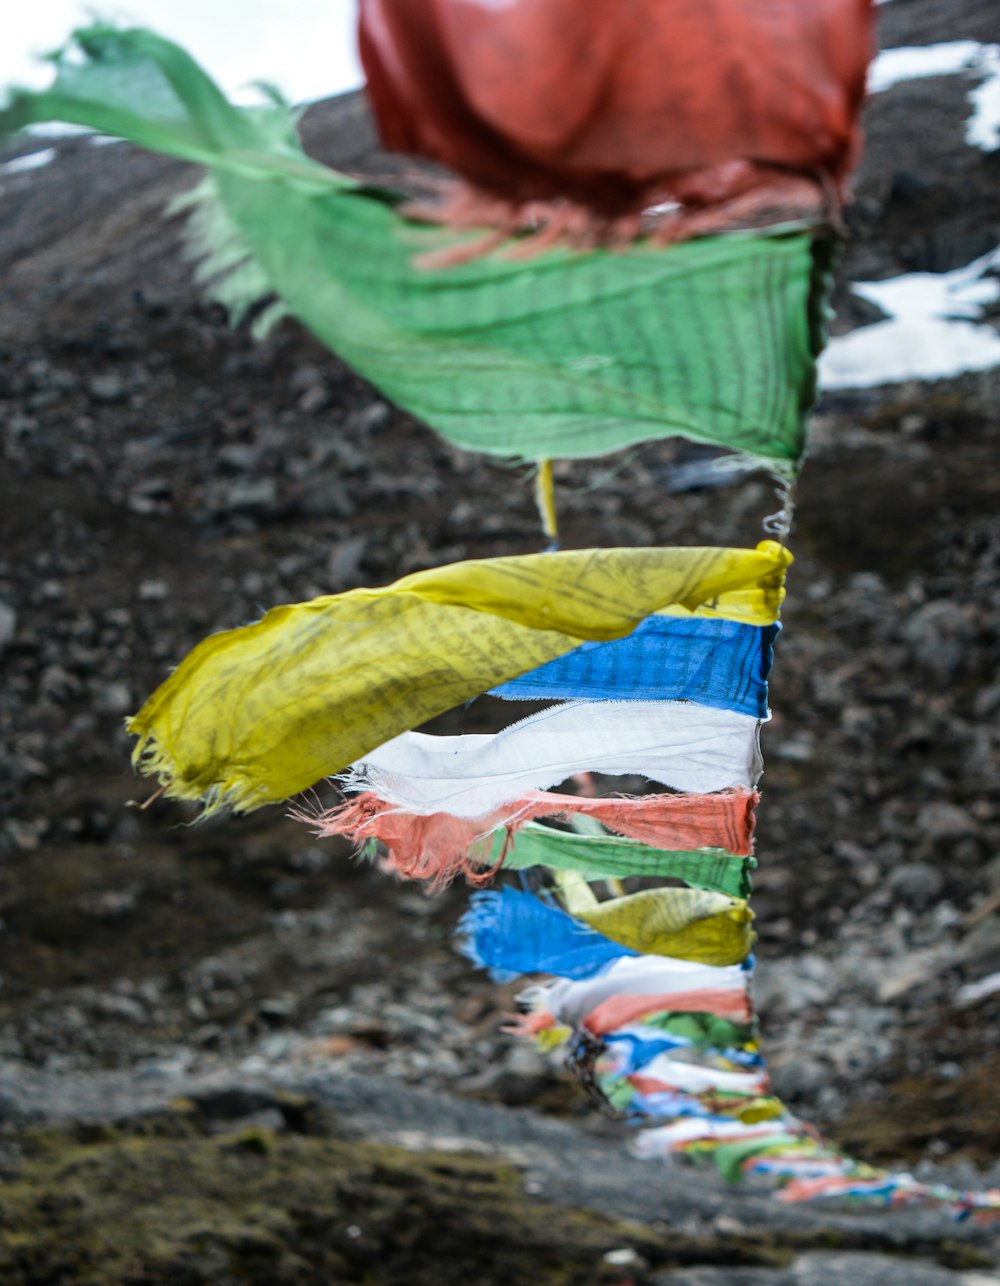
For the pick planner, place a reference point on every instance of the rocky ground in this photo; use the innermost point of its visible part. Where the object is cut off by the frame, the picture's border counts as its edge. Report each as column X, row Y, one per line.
column 227, row 1046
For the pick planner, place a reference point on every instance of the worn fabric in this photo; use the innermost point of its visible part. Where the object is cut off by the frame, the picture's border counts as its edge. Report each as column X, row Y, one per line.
column 664, row 1072
column 254, row 715
column 726, row 1001
column 713, row 662
column 599, row 857
column 689, row 748
column 562, row 354
column 640, row 978
column 439, row 846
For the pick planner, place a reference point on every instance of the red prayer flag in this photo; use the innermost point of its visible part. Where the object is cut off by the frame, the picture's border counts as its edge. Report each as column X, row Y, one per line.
column 612, row 103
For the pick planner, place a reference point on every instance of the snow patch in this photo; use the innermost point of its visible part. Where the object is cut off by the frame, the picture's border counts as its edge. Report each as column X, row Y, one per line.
column 933, row 329
column 892, row 66
column 30, row 161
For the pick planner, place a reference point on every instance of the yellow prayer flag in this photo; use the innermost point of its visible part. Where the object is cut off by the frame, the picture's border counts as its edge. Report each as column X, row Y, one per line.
column 690, row 924
column 254, row 715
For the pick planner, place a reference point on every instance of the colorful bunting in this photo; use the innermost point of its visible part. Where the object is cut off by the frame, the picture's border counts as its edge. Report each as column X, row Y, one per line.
column 256, row 714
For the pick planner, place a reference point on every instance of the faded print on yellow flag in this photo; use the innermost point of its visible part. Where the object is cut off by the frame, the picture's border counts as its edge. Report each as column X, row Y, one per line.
column 254, row 715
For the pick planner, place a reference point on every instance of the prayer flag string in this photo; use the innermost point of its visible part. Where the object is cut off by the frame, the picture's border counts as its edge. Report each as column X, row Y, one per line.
column 616, row 324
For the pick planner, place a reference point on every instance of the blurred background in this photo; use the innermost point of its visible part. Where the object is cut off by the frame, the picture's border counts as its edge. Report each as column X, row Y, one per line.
column 236, row 997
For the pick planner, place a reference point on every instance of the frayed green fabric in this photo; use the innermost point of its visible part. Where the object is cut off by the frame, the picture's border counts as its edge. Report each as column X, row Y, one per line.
column 566, row 353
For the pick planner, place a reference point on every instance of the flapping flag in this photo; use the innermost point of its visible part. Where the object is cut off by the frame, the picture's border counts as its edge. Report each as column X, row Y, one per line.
column 714, row 662
column 687, row 747
column 603, row 857
column 254, row 715
column 635, row 985
column 511, row 931
column 439, row 846
column 562, row 354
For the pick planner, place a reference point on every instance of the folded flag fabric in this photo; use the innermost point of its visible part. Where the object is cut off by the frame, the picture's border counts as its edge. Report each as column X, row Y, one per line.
column 253, row 715
column 690, row 748
column 664, row 1072
column 439, row 846
column 691, row 924
column 642, row 978
column 512, row 932
column 714, row 662
column 723, row 1001
column 563, row 354
column 613, row 104
column 632, row 1047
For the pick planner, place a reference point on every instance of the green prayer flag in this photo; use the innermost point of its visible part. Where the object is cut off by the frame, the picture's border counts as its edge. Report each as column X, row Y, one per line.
column 611, row 857
column 566, row 353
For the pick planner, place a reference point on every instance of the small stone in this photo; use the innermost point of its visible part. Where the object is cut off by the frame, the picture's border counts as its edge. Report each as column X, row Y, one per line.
column 914, row 971
column 240, row 457
column 940, row 634
column 257, row 497
column 107, row 388
column 276, row 1008
column 8, row 625
column 945, row 822
column 57, row 684
column 345, row 559
column 623, row 1257
column 987, row 701
column 120, row 1007
column 917, row 884
column 981, row 947
column 109, row 905
column 113, row 698
column 323, row 496
column 368, row 419
column 152, row 591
